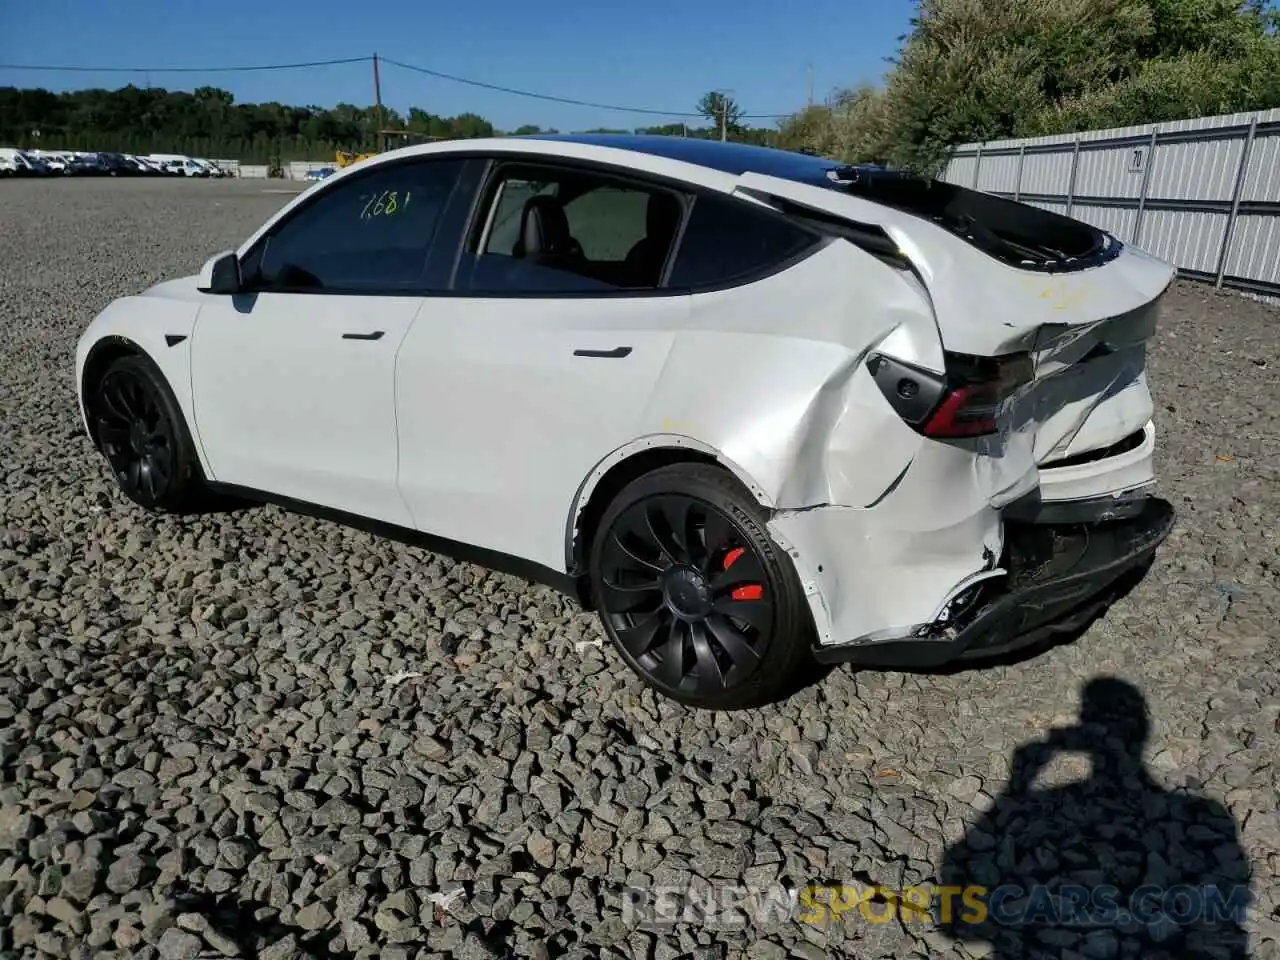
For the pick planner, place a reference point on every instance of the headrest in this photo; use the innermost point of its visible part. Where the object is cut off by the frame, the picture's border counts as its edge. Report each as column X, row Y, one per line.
column 543, row 228
column 662, row 215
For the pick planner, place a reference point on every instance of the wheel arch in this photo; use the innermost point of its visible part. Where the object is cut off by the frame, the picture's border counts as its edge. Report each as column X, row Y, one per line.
column 618, row 469
column 105, row 351
column 100, row 356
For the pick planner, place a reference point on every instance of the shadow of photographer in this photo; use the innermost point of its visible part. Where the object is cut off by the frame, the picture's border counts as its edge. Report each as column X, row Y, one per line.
column 1111, row 866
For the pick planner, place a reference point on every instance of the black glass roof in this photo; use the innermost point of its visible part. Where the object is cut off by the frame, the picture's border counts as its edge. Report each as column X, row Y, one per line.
column 728, row 157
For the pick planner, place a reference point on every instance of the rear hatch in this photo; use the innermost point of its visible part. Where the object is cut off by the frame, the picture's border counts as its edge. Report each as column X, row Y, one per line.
column 1069, row 305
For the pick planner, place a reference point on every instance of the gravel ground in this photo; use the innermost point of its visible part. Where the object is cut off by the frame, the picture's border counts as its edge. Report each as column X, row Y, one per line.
column 256, row 734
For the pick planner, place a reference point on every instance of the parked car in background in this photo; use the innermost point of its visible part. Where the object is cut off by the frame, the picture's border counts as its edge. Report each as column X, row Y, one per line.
column 169, row 163
column 88, row 165
column 18, row 163
column 38, row 164
column 211, row 169
column 117, row 165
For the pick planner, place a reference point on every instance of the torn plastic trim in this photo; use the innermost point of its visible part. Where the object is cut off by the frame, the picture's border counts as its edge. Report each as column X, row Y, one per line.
column 961, row 605
column 1119, row 505
column 959, row 600
column 808, row 581
column 833, row 570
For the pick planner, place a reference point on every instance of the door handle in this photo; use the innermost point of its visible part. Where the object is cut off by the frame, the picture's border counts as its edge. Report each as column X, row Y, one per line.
column 375, row 335
column 617, row 353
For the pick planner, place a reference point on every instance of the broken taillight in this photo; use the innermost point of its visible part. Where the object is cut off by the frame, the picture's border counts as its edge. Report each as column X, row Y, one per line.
column 964, row 402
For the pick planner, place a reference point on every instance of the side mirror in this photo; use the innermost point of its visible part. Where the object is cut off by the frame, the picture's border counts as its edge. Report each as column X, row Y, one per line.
column 220, row 274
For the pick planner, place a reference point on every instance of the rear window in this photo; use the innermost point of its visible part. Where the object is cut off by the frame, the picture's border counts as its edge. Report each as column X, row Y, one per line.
column 728, row 240
column 1014, row 233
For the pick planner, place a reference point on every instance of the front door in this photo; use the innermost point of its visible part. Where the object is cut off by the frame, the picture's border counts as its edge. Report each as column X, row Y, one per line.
column 294, row 379
column 294, row 395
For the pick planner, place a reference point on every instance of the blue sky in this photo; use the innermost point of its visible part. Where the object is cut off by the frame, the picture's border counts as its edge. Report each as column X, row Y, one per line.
column 662, row 54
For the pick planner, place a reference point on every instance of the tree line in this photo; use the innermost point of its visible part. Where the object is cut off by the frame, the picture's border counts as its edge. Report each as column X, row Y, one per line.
column 972, row 70
column 208, row 122
column 968, row 70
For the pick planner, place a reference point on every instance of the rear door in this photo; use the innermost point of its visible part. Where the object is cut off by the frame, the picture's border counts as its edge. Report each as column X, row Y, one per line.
column 539, row 364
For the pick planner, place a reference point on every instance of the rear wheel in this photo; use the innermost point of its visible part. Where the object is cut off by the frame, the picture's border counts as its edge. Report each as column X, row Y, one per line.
column 140, row 430
column 695, row 594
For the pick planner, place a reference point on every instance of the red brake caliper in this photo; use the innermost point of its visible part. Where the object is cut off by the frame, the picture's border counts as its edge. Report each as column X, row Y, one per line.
column 751, row 591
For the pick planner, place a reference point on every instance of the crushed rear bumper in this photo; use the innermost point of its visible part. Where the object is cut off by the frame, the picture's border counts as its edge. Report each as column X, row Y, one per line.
column 1058, row 577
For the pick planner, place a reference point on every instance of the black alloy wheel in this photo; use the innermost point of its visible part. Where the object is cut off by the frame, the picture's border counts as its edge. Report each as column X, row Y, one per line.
column 694, row 593
column 136, row 438
column 139, row 429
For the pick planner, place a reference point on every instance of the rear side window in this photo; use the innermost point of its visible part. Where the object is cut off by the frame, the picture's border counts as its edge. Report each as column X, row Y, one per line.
column 553, row 230
column 730, row 240
column 366, row 234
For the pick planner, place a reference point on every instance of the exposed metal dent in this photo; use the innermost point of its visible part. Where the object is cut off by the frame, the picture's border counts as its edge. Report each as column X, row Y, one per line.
column 892, row 487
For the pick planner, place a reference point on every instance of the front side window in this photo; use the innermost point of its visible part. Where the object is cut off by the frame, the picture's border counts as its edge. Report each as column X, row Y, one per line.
column 551, row 230
column 369, row 233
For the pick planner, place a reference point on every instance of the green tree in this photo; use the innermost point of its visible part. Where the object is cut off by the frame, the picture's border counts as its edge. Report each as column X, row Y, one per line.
column 209, row 122
column 974, row 70
column 720, row 108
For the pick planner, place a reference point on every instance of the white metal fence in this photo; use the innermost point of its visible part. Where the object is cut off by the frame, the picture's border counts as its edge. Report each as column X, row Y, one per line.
column 1203, row 194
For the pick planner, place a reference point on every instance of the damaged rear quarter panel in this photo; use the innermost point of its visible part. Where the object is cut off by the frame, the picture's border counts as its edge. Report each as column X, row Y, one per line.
column 983, row 306
column 772, row 375
column 888, row 569
column 880, row 522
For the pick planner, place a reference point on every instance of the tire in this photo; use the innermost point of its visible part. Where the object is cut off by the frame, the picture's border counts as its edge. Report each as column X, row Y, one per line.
column 139, row 428
column 712, row 616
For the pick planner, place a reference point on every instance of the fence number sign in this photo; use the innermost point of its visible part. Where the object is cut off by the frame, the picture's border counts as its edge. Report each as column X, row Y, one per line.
column 1137, row 159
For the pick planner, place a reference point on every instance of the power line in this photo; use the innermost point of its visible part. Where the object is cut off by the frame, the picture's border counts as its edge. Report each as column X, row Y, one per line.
column 569, row 100
column 243, row 69
column 572, row 101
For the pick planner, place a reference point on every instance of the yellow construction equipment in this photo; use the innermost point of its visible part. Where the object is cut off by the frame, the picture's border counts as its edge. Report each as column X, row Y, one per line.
column 345, row 159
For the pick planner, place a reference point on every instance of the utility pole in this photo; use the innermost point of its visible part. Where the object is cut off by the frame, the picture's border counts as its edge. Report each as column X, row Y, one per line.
column 809, row 85
column 724, row 118
column 377, row 99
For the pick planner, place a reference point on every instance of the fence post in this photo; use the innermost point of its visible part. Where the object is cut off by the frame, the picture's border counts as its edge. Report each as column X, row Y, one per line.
column 977, row 165
column 1017, row 187
column 1236, row 192
column 1071, row 182
column 1146, row 180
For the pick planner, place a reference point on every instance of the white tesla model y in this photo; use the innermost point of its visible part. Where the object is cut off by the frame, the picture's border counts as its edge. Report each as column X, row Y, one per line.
column 754, row 407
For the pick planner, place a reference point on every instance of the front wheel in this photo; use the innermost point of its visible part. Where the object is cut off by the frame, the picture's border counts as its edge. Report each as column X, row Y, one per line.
column 697, row 597
column 139, row 428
